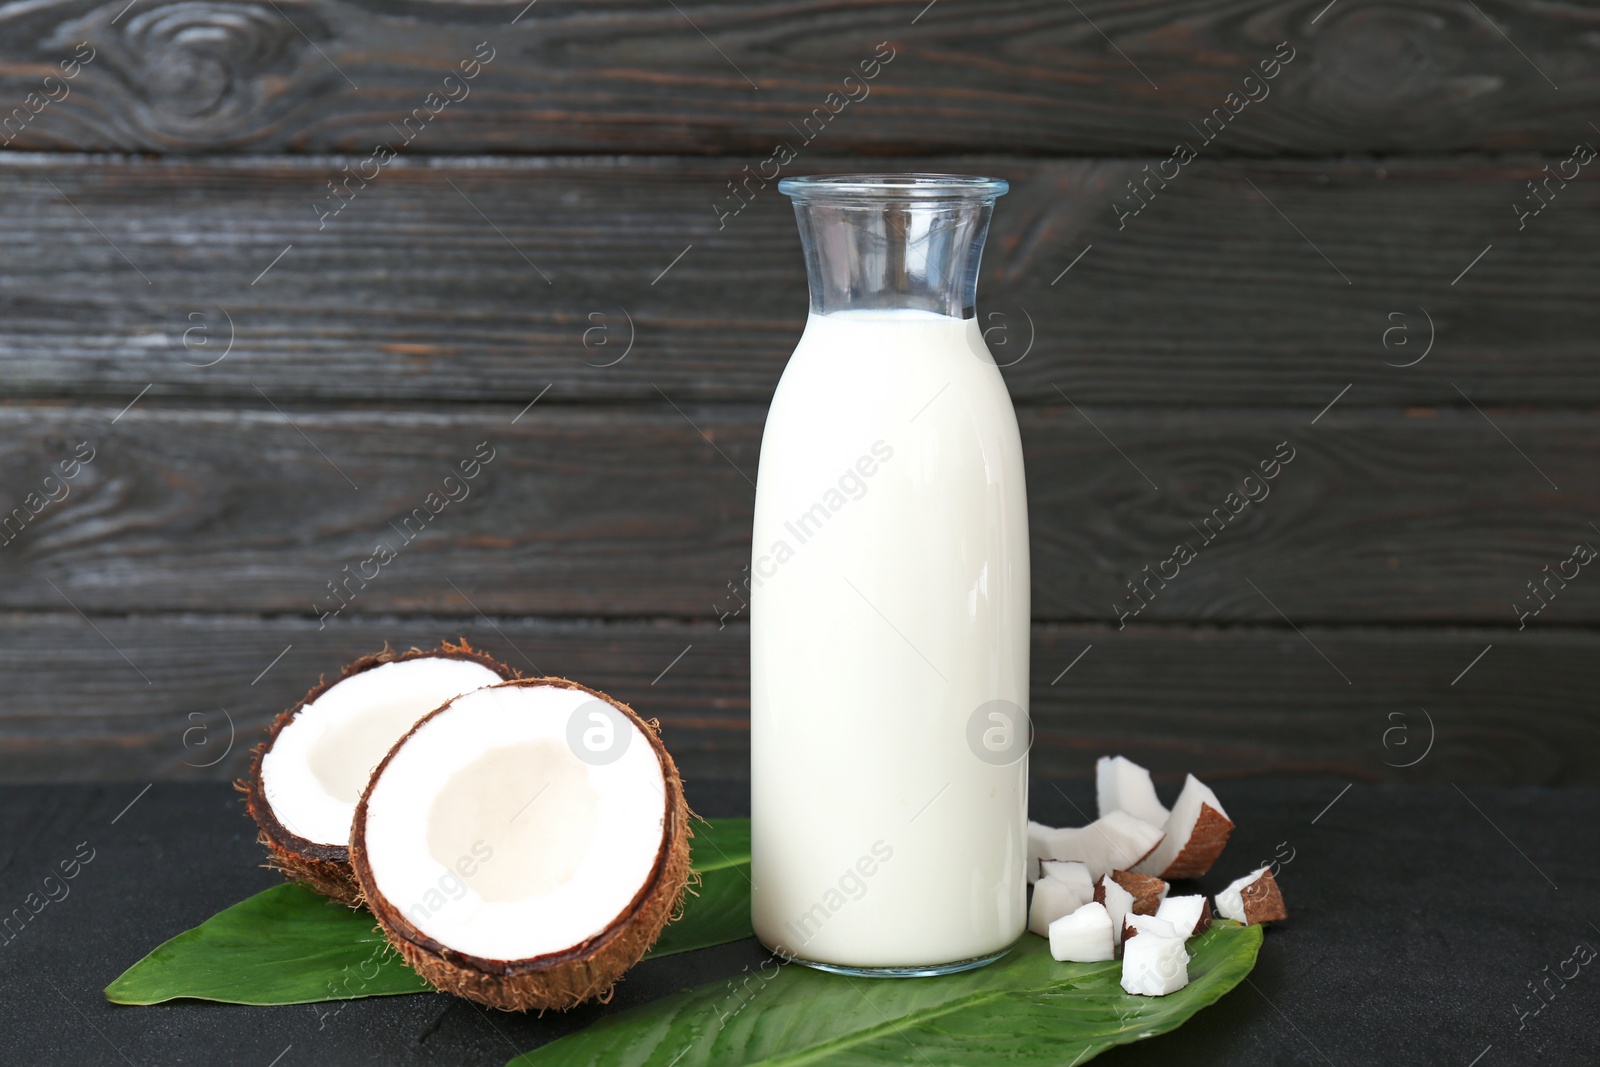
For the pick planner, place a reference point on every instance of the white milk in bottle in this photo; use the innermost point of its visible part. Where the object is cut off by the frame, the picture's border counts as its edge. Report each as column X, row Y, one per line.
column 889, row 599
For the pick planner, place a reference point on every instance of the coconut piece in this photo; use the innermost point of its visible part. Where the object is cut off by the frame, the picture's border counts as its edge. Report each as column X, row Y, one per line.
column 1148, row 891
column 1065, row 887
column 309, row 773
column 1043, row 843
column 1253, row 899
column 1053, row 898
column 1153, row 964
column 1123, row 785
column 1196, row 832
column 1074, row 873
column 1117, row 901
column 1189, row 915
column 524, row 844
column 1084, row 936
column 1114, row 842
column 1142, row 924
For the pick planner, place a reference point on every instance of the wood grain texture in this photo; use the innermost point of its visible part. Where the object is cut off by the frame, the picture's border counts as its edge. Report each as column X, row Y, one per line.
column 309, row 354
column 1218, row 703
column 1034, row 76
column 1424, row 516
column 494, row 279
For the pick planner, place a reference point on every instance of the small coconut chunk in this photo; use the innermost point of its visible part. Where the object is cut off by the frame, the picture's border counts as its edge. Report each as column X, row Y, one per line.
column 1084, row 936
column 1123, row 785
column 1043, row 843
column 1117, row 901
column 1065, row 887
column 1074, row 873
column 1154, row 965
column 1148, row 891
column 1253, row 899
column 1189, row 915
column 1115, row 842
column 1147, row 924
column 1053, row 898
column 1196, row 832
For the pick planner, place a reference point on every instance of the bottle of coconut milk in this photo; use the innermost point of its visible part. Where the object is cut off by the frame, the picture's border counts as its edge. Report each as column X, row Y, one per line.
column 889, row 598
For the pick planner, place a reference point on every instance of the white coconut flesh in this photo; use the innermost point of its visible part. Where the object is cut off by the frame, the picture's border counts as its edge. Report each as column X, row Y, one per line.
column 314, row 773
column 1053, row 898
column 1123, row 785
column 1072, row 872
column 1180, row 828
column 1113, row 842
column 1184, row 913
column 1154, row 964
column 1118, row 903
column 1041, row 839
column 1133, row 925
column 1083, row 936
column 492, row 837
column 1231, row 902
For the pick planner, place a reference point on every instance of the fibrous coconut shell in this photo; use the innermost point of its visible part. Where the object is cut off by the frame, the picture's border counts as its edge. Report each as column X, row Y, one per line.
column 325, row 868
column 1205, row 844
column 584, row 972
column 1147, row 890
column 1263, row 902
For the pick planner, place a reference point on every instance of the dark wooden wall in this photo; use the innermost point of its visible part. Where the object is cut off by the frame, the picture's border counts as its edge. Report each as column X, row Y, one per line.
column 268, row 388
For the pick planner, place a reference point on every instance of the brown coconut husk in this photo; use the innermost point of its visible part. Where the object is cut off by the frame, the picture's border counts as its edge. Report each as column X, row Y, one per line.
column 321, row 867
column 1263, row 902
column 562, row 980
column 1203, row 923
column 1205, row 844
column 1147, row 890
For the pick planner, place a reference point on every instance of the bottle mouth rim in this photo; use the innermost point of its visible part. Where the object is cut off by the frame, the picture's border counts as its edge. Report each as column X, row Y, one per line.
column 893, row 186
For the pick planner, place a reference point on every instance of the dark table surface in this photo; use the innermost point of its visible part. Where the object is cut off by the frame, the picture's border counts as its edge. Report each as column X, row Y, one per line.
column 1421, row 919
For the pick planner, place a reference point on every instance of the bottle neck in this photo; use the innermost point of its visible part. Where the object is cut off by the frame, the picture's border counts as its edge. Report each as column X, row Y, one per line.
column 885, row 253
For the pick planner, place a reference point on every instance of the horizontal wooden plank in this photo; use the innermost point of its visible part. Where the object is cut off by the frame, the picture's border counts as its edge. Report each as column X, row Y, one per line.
column 492, row 280
column 629, row 76
column 1218, row 703
column 1424, row 516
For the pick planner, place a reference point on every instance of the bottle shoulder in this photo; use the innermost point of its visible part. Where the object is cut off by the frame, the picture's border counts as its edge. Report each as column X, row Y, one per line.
column 860, row 360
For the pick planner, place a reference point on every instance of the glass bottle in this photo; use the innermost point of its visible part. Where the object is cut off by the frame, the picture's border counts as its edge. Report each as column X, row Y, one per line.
column 889, row 607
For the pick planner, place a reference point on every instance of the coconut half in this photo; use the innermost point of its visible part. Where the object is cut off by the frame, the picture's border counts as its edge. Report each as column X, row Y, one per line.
column 309, row 774
column 524, row 844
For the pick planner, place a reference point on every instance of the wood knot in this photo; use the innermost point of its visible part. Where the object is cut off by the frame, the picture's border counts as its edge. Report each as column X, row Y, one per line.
column 204, row 71
column 1376, row 60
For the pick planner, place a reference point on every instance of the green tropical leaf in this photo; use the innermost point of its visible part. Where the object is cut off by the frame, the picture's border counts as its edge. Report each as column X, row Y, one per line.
column 287, row 945
column 721, row 844
column 1026, row 1010
column 718, row 909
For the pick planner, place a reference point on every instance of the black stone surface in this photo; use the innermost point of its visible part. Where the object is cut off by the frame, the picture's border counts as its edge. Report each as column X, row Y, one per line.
column 1419, row 918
